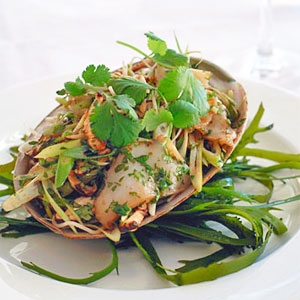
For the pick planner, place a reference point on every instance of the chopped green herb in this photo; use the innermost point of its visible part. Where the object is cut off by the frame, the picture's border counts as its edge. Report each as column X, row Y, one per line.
column 162, row 179
column 122, row 210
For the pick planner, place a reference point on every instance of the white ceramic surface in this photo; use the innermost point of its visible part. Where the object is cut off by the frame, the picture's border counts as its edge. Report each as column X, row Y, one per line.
column 276, row 275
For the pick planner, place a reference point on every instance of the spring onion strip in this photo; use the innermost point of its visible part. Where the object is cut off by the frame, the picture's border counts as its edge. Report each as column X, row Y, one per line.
column 55, row 206
column 183, row 148
column 196, row 166
column 154, row 103
column 22, row 196
column 79, row 125
column 57, row 149
column 152, row 208
column 213, row 158
column 69, row 207
column 173, row 151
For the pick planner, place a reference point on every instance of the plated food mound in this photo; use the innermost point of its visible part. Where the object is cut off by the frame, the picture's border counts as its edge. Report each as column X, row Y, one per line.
column 125, row 147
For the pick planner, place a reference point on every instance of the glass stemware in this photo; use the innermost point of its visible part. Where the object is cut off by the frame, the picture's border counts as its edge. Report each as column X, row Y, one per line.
column 266, row 62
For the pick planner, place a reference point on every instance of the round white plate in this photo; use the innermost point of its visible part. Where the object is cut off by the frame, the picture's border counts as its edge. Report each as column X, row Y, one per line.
column 275, row 275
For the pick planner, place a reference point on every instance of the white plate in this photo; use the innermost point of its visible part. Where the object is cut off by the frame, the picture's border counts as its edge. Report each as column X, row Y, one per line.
column 275, row 275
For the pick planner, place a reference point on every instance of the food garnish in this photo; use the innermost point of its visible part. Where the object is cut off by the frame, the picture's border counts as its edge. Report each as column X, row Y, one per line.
column 125, row 147
column 172, row 128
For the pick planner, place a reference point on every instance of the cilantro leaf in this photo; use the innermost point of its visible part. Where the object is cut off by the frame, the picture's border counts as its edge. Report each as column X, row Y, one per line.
column 133, row 87
column 76, row 88
column 180, row 83
column 96, row 76
column 185, row 114
column 125, row 103
column 160, row 53
column 195, row 93
column 61, row 92
column 171, row 59
column 102, row 115
column 108, row 124
column 85, row 212
column 120, row 209
column 152, row 119
column 155, row 44
column 172, row 85
column 125, row 130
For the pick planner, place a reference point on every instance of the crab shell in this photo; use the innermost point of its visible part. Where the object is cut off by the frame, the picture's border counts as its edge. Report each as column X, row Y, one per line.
column 219, row 80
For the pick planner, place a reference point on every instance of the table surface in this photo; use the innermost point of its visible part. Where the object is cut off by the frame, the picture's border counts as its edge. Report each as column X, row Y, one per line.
column 41, row 39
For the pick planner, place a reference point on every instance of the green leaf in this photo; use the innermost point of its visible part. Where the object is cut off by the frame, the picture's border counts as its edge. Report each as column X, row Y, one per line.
column 145, row 246
column 203, row 269
column 249, row 134
column 202, row 234
column 6, row 176
column 108, row 124
column 125, row 130
column 277, row 156
column 180, row 83
column 94, row 277
column 127, row 104
column 152, row 119
column 165, row 57
column 9, row 190
column 155, row 44
column 20, row 227
column 102, row 121
column 172, row 85
column 195, row 93
column 76, row 88
column 217, row 269
column 131, row 86
column 184, row 114
column 61, row 92
column 223, row 253
column 171, row 59
column 96, row 76
column 9, row 166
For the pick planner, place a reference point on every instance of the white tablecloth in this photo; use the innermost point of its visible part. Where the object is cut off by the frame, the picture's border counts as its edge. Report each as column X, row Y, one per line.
column 40, row 39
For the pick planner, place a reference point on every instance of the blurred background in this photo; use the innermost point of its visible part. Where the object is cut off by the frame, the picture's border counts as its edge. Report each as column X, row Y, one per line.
column 41, row 39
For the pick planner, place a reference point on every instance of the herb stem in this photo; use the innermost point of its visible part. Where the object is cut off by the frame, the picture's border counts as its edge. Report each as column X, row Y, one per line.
column 133, row 48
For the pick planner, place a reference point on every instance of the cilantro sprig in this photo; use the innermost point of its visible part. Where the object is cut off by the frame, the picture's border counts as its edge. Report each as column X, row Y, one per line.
column 119, row 129
column 178, row 85
column 187, row 97
column 160, row 53
column 183, row 97
column 92, row 76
